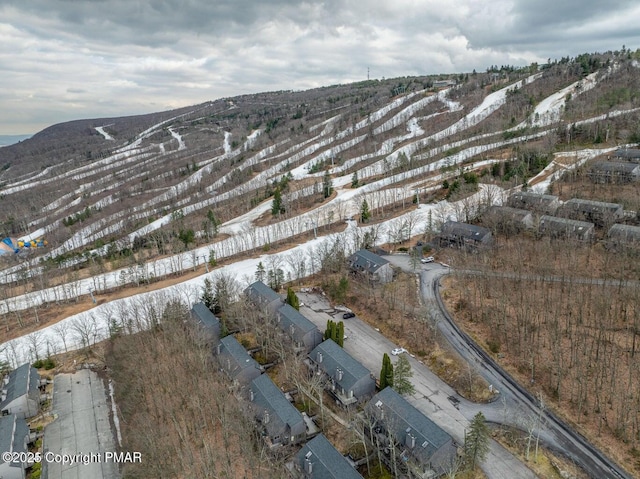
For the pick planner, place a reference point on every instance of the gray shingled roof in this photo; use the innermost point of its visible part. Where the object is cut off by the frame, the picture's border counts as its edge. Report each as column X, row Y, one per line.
column 464, row 230
column 367, row 260
column 401, row 418
column 268, row 396
column 535, row 201
column 326, row 461
column 556, row 223
column 615, row 166
column 508, row 212
column 291, row 316
column 333, row 357
column 241, row 357
column 205, row 316
column 22, row 380
column 534, row 197
column 590, row 205
column 627, row 153
column 13, row 430
column 625, row 232
column 261, row 293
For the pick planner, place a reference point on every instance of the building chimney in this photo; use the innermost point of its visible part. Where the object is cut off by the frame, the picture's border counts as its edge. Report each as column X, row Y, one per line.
column 319, row 357
column 251, row 395
column 339, row 374
column 265, row 418
column 308, row 466
column 410, row 440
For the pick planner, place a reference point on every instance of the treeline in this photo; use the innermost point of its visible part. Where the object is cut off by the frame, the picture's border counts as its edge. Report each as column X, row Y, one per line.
column 177, row 410
column 578, row 341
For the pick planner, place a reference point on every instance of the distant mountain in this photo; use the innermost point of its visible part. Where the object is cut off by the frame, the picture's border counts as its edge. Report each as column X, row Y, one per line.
column 6, row 140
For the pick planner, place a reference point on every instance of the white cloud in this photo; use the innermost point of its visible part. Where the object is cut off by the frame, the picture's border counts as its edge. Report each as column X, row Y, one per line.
column 65, row 60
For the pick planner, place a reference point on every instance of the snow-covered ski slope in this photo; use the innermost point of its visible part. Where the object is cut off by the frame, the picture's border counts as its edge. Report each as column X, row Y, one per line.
column 171, row 174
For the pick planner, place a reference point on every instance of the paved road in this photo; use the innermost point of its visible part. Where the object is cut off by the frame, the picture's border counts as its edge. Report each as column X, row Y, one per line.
column 368, row 345
column 516, row 405
column 81, row 427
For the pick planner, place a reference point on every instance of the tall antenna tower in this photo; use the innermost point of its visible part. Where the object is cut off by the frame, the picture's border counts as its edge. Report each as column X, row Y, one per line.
column 367, row 73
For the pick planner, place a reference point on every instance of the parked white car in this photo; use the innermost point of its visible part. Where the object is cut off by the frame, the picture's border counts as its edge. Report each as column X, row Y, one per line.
column 428, row 259
column 398, row 351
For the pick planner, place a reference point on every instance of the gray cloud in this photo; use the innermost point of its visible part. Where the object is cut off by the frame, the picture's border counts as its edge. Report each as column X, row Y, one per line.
column 66, row 59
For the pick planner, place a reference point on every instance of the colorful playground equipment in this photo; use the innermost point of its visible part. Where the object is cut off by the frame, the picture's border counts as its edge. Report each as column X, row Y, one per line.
column 11, row 245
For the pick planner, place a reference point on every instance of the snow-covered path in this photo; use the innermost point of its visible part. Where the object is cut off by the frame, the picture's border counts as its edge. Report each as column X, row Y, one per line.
column 141, row 310
column 107, row 136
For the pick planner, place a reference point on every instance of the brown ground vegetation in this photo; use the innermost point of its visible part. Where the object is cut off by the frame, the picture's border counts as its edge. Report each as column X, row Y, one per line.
column 574, row 342
column 178, row 410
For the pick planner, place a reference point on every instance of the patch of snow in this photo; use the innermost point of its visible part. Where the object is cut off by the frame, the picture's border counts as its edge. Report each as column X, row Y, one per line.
column 177, row 136
column 227, row 142
column 114, row 413
column 107, row 136
column 33, row 235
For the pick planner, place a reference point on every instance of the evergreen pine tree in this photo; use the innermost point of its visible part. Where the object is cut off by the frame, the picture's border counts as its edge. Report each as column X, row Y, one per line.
column 208, row 297
column 476, row 442
column 401, row 376
column 276, row 205
column 386, row 373
column 261, row 272
column 328, row 333
column 327, row 184
column 340, row 329
column 365, row 214
column 292, row 299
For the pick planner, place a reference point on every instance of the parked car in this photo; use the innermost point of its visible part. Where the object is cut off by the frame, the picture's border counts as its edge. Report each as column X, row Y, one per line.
column 428, row 259
column 348, row 315
column 398, row 351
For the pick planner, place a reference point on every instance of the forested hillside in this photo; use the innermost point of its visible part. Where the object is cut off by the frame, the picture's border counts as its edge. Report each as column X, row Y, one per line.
column 136, row 210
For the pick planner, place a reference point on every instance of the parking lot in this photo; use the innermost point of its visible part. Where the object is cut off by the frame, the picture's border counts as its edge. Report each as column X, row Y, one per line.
column 81, row 427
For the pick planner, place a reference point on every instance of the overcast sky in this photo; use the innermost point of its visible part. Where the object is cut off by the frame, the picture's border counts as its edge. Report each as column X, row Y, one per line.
column 70, row 59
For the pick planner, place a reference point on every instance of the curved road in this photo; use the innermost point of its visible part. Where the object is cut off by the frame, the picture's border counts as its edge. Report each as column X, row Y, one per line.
column 515, row 406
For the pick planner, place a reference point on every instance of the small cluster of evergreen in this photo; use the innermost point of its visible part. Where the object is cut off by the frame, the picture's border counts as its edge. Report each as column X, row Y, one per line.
column 335, row 332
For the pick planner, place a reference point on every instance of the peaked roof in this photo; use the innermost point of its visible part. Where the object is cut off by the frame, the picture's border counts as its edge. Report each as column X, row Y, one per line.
column 333, row 357
column 626, row 232
column 401, row 419
column 290, row 316
column 268, row 396
column 13, row 430
column 367, row 260
column 564, row 223
column 465, row 230
column 326, row 461
column 533, row 196
column 239, row 354
column 615, row 166
column 205, row 316
column 627, row 153
column 22, row 380
column 508, row 212
column 261, row 293
column 575, row 203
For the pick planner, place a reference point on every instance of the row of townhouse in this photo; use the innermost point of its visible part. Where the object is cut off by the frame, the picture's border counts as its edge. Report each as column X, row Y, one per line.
column 19, row 400
column 598, row 212
column 574, row 219
column 346, row 380
column 622, row 167
column 279, row 422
